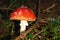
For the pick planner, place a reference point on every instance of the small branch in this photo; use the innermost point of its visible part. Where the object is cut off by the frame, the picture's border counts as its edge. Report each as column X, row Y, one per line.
column 23, row 35
column 5, row 8
column 49, row 8
column 38, row 33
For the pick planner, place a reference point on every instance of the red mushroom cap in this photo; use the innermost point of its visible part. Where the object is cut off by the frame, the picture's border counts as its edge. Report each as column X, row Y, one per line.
column 23, row 13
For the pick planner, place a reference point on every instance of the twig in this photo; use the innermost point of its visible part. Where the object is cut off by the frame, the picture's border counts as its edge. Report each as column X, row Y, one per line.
column 6, row 8
column 38, row 33
column 9, row 6
column 49, row 8
column 23, row 35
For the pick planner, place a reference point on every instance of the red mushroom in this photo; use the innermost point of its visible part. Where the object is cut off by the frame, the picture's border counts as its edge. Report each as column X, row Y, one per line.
column 24, row 14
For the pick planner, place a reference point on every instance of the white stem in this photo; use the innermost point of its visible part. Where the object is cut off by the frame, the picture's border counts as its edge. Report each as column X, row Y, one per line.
column 23, row 25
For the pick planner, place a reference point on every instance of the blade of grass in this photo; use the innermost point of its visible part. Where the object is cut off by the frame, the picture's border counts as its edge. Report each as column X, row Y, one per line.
column 12, row 3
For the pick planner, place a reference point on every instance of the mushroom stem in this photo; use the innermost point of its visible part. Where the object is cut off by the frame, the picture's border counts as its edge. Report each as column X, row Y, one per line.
column 23, row 25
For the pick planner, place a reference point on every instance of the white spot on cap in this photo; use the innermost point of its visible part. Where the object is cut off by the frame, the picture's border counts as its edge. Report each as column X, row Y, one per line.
column 22, row 17
column 15, row 13
column 30, row 19
column 20, row 12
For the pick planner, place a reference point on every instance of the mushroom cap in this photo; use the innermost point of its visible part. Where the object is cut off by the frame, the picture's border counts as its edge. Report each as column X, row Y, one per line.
column 22, row 13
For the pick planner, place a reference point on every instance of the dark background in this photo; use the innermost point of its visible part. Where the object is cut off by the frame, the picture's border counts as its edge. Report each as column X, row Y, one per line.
column 38, row 6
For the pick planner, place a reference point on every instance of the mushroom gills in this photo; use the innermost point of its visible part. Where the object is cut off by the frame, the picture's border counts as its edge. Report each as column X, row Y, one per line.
column 23, row 24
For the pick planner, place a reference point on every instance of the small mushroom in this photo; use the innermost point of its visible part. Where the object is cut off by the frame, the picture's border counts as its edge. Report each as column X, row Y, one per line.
column 23, row 14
